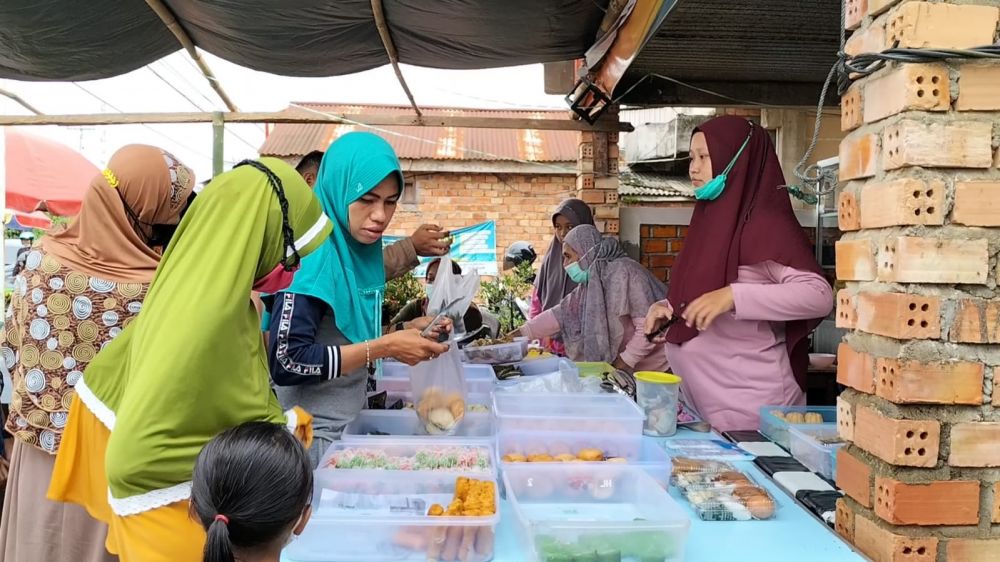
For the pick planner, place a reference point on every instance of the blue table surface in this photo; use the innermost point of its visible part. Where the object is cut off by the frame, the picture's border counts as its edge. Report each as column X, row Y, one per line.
column 793, row 535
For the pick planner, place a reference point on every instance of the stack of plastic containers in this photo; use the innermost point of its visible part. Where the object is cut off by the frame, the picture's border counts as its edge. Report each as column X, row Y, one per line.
column 396, row 501
column 809, row 433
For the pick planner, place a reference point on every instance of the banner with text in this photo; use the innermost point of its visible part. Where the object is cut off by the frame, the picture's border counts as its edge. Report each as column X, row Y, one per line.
column 474, row 248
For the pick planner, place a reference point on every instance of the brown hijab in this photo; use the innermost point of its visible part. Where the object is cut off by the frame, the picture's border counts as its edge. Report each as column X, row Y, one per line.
column 101, row 240
column 552, row 283
column 750, row 223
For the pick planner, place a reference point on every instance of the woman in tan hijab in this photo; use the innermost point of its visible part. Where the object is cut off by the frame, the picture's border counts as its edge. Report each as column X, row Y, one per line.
column 80, row 287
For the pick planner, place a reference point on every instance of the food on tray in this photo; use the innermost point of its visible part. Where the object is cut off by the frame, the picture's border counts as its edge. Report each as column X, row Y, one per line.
column 719, row 492
column 494, row 351
column 798, row 417
column 583, row 455
column 483, row 342
column 506, row 372
column 445, row 458
column 638, row 546
column 439, row 412
column 535, row 353
column 473, row 498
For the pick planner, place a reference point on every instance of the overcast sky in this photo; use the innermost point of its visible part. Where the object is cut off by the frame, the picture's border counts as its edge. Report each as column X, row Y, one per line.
column 174, row 84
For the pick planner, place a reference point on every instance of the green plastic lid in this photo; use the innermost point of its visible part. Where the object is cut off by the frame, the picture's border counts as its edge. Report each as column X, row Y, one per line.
column 657, row 378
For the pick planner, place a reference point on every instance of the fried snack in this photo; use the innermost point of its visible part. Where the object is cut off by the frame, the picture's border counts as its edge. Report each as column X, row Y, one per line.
column 813, row 417
column 590, row 455
column 795, row 417
column 565, row 457
column 514, row 457
column 436, row 510
column 540, row 458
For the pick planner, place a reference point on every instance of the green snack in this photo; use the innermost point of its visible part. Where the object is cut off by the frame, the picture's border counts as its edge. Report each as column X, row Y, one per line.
column 558, row 557
column 609, row 556
column 652, row 558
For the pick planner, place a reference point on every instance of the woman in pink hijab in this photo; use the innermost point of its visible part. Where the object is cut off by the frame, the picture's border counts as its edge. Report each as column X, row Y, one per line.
column 746, row 285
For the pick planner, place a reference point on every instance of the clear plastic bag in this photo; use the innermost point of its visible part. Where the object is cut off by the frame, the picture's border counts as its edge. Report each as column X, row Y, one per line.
column 454, row 291
column 440, row 392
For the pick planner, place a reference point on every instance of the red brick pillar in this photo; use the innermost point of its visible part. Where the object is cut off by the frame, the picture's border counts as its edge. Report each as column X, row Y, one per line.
column 920, row 209
column 597, row 176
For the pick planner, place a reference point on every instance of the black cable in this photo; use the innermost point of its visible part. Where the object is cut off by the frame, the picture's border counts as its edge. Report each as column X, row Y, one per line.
column 850, row 69
column 286, row 228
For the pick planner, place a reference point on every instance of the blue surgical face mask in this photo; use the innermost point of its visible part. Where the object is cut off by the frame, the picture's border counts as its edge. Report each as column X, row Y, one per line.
column 714, row 188
column 577, row 273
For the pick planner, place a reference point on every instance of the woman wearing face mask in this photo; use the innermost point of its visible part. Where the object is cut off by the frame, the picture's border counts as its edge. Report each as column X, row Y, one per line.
column 602, row 319
column 326, row 329
column 190, row 365
column 746, row 285
column 552, row 283
column 79, row 288
column 472, row 320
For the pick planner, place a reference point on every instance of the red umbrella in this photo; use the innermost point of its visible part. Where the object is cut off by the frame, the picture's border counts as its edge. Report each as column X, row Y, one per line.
column 43, row 174
column 18, row 220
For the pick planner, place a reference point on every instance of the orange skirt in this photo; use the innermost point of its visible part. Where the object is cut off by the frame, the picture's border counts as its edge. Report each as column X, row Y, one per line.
column 165, row 534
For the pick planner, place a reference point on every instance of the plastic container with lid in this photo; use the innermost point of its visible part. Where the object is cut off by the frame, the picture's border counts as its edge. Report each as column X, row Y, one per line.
column 591, row 369
column 498, row 354
column 774, row 424
column 589, row 512
column 381, row 425
column 555, row 449
column 816, row 447
column 395, row 369
column 658, row 395
column 380, row 516
column 560, row 412
column 440, row 454
column 400, row 387
column 543, row 365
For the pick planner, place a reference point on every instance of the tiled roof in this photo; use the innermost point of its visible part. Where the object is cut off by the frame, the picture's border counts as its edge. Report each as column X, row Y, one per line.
column 649, row 186
column 433, row 143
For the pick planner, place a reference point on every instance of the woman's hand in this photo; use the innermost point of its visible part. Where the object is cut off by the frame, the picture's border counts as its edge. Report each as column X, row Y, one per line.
column 443, row 326
column 621, row 365
column 409, row 347
column 705, row 309
column 659, row 314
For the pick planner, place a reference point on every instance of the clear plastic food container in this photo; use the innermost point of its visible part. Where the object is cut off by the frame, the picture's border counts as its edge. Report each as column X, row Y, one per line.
column 543, row 366
column 401, row 385
column 717, row 491
column 657, row 395
column 480, row 403
column 594, row 513
column 583, row 413
column 774, row 421
column 381, row 516
column 496, row 354
column 404, row 425
column 448, row 454
column 548, row 449
column 816, row 447
column 394, row 369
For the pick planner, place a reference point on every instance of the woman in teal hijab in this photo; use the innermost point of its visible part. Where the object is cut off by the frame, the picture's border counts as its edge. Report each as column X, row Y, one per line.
column 326, row 329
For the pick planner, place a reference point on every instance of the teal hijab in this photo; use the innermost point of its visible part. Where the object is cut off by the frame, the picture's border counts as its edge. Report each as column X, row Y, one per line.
column 344, row 273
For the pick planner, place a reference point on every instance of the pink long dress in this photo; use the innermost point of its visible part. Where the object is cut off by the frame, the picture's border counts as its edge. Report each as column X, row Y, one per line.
column 740, row 363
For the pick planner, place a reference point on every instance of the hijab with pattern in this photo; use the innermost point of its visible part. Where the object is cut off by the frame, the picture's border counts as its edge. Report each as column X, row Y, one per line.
column 101, row 241
column 344, row 273
column 553, row 284
column 618, row 287
column 750, row 223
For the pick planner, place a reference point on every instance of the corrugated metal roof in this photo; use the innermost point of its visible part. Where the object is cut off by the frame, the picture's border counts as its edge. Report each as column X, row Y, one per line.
column 650, row 186
column 433, row 143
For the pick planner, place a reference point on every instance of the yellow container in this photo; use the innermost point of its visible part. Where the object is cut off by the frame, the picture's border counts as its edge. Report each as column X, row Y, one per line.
column 658, row 395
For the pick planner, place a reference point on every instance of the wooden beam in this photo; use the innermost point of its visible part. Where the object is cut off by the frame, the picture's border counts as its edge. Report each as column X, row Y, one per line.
column 300, row 116
column 390, row 50
column 168, row 18
column 656, row 92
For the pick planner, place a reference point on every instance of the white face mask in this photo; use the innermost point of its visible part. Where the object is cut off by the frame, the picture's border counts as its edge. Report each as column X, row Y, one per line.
column 429, row 290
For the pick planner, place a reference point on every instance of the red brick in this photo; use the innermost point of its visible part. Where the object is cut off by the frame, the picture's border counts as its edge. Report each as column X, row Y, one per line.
column 584, row 182
column 959, row 144
column 592, row 196
column 654, row 246
column 978, row 87
column 661, row 261
column 856, row 370
column 845, row 419
column 854, row 12
column 912, row 382
column 664, row 231
column 851, row 110
column 848, row 214
column 855, row 260
column 909, row 87
column 682, row 231
column 923, row 25
column 995, row 517
column 899, row 316
column 953, row 502
column 876, row 7
column 676, row 245
column 882, row 545
column 586, row 150
column 859, row 156
column 977, row 203
column 611, row 197
column 934, row 260
column 844, row 521
column 977, row 321
column 847, row 311
column 973, row 550
column 612, row 226
column 897, row 441
column 869, row 39
column 854, row 477
column 975, row 444
column 907, row 201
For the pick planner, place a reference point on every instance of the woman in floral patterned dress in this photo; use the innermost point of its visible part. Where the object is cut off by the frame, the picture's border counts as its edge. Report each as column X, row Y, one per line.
column 80, row 287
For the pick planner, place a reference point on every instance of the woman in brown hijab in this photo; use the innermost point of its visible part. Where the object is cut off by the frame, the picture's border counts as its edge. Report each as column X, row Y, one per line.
column 80, row 287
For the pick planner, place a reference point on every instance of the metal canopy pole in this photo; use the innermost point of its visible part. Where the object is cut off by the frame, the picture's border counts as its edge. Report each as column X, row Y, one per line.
column 218, row 137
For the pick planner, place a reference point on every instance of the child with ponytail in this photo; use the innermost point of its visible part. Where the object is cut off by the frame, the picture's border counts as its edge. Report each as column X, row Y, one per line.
column 251, row 491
